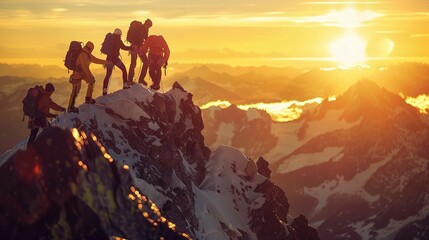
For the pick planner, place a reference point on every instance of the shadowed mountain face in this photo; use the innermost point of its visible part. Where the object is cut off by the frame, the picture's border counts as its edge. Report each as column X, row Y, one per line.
column 66, row 188
column 207, row 194
column 357, row 166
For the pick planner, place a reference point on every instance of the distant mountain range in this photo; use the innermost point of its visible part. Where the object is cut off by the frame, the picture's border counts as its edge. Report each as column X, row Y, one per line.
column 266, row 84
column 361, row 162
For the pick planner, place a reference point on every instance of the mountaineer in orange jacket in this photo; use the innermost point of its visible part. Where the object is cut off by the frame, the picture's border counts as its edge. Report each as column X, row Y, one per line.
column 158, row 57
column 44, row 105
column 83, row 61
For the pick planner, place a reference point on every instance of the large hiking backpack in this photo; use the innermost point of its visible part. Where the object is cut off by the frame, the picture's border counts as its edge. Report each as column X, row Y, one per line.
column 135, row 33
column 75, row 49
column 30, row 102
column 107, row 45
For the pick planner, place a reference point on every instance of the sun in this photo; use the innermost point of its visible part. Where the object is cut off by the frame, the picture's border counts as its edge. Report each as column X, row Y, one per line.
column 349, row 50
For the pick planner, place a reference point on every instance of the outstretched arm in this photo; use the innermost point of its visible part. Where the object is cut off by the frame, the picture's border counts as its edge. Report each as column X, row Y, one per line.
column 96, row 60
column 123, row 47
column 52, row 105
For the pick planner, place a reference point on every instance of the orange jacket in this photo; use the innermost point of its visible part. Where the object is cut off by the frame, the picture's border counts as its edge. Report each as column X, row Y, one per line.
column 156, row 45
column 84, row 60
column 45, row 104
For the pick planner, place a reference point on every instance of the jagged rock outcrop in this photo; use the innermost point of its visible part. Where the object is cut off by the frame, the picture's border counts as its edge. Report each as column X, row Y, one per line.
column 67, row 187
column 263, row 167
column 305, row 232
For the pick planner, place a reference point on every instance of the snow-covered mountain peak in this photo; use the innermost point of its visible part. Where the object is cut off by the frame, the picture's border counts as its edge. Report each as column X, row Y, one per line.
column 157, row 137
column 366, row 101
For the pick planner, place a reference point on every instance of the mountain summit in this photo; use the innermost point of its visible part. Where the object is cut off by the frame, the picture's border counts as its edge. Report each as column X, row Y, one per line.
column 367, row 101
column 156, row 139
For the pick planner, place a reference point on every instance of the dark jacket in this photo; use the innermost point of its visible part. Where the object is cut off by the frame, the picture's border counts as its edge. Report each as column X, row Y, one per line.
column 44, row 105
column 145, row 32
column 117, row 45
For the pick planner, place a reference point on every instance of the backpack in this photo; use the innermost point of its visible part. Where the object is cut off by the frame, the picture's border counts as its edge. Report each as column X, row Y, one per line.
column 107, row 44
column 30, row 102
column 75, row 49
column 135, row 33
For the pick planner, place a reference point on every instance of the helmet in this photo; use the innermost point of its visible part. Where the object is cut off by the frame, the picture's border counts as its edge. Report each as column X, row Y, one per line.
column 49, row 87
column 89, row 45
column 117, row 31
column 148, row 23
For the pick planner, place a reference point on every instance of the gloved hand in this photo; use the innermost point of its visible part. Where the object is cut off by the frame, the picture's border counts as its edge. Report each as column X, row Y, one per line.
column 134, row 48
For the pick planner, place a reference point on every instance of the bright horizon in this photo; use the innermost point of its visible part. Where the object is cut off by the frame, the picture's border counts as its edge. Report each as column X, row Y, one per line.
column 236, row 33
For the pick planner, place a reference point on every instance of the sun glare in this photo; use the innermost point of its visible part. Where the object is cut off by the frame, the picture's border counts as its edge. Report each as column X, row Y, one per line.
column 349, row 49
column 352, row 18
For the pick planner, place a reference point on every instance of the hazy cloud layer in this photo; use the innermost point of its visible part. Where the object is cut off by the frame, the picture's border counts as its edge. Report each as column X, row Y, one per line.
column 253, row 27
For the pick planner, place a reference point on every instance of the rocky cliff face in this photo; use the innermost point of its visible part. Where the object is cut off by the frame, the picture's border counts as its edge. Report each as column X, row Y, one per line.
column 154, row 140
column 249, row 130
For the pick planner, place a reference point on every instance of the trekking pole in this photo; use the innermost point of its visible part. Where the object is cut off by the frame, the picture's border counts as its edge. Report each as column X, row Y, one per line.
column 57, row 121
column 65, row 119
column 162, row 86
column 140, row 70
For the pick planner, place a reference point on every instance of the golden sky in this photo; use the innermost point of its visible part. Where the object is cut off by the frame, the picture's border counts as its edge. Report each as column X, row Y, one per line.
column 229, row 31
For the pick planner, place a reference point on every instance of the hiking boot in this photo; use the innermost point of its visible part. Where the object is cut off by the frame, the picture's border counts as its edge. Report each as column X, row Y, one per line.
column 130, row 83
column 154, row 86
column 73, row 110
column 125, row 85
column 89, row 100
column 143, row 82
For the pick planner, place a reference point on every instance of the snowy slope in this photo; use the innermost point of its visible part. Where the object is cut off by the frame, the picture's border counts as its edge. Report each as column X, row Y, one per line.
column 356, row 166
